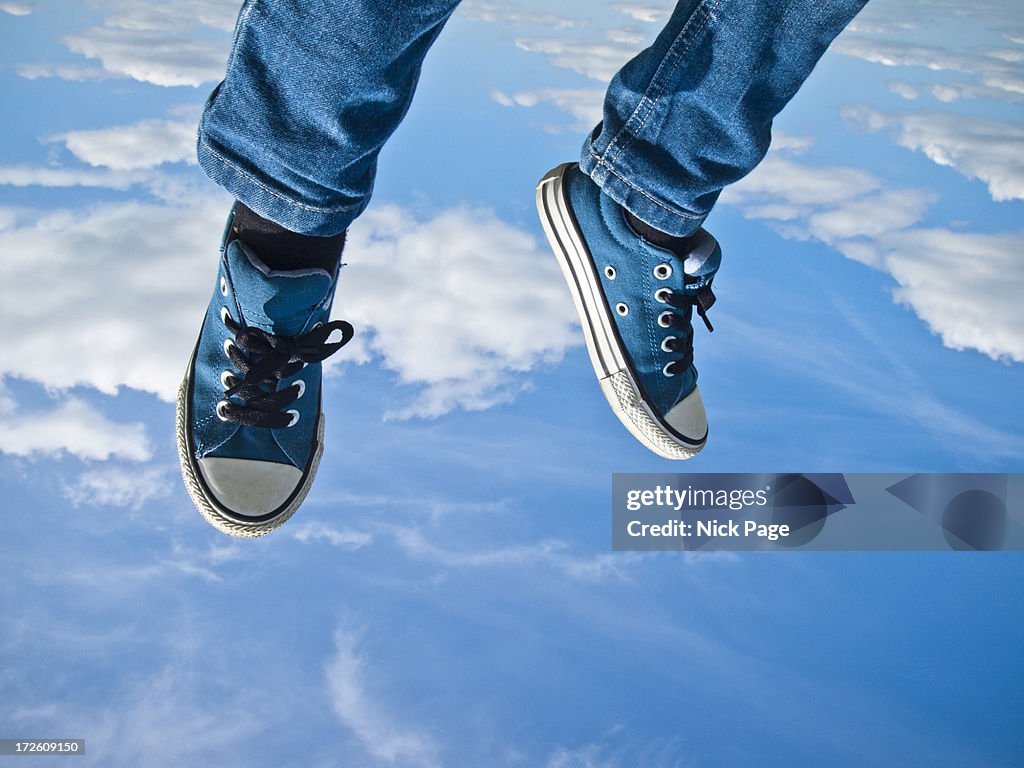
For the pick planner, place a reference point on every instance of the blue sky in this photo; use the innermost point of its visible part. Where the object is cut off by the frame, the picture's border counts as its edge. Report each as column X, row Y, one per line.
column 446, row 596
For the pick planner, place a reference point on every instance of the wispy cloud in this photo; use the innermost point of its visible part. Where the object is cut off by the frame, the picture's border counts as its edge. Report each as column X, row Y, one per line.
column 18, row 9
column 343, row 538
column 386, row 736
column 119, row 486
column 555, row 554
column 74, row 73
column 650, row 14
column 508, row 13
column 583, row 104
column 596, row 60
column 36, row 176
column 992, row 75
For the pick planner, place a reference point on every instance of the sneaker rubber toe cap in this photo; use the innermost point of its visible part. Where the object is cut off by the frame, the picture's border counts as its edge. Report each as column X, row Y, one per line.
column 688, row 417
column 249, row 488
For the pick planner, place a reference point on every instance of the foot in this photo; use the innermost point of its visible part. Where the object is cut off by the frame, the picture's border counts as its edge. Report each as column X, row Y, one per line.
column 635, row 302
column 249, row 419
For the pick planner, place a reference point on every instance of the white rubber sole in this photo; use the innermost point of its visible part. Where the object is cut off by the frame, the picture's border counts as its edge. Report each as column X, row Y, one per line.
column 208, row 507
column 617, row 382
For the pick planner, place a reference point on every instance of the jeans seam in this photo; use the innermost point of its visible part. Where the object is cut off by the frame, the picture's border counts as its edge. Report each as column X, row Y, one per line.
column 654, row 92
column 664, row 206
column 253, row 180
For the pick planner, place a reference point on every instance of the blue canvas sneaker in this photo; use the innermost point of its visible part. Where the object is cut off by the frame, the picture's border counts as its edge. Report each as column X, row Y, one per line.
column 635, row 301
column 249, row 419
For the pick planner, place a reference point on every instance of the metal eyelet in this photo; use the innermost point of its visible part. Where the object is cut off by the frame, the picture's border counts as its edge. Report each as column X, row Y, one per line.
column 225, row 316
column 301, row 386
column 221, row 405
column 665, row 343
column 663, row 271
column 223, row 286
column 227, row 379
column 663, row 295
column 666, row 370
column 228, row 345
column 665, row 319
column 295, row 418
column 609, row 272
column 622, row 309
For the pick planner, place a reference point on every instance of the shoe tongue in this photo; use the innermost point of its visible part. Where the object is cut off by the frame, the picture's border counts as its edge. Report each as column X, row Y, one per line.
column 704, row 257
column 277, row 302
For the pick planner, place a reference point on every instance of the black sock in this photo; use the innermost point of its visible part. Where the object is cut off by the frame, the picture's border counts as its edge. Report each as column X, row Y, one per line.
column 282, row 249
column 680, row 246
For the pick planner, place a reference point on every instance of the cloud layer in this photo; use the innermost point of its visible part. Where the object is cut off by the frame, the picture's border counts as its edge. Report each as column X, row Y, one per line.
column 964, row 286
column 984, row 149
column 459, row 305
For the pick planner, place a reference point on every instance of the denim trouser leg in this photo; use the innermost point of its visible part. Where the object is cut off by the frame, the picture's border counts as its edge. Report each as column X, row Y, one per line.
column 315, row 87
column 693, row 112
column 313, row 90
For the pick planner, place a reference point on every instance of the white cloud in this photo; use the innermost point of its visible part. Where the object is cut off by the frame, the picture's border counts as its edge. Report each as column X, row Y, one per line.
column 584, row 104
column 460, row 305
column 29, row 176
column 992, row 73
column 598, row 61
column 343, row 538
column 18, row 9
column 478, row 10
column 182, row 14
column 906, row 90
column 118, row 487
column 157, row 716
column 780, row 180
column 387, row 737
column 552, row 554
column 153, row 56
column 870, row 216
column 64, row 72
column 651, row 14
column 966, row 287
column 145, row 144
column 627, row 36
column 168, row 44
column 72, row 427
column 110, row 296
column 988, row 150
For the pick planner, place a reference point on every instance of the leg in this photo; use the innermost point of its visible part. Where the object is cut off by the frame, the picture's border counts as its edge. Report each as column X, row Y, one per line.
column 693, row 113
column 686, row 117
column 313, row 90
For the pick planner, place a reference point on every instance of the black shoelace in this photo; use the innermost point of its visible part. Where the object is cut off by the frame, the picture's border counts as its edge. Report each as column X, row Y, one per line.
column 263, row 359
column 701, row 300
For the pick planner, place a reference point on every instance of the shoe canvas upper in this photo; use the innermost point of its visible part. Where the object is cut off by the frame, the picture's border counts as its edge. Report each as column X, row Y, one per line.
column 626, row 265
column 282, row 303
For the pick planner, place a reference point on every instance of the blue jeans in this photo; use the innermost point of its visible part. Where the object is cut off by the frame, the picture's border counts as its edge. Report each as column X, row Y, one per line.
column 315, row 87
